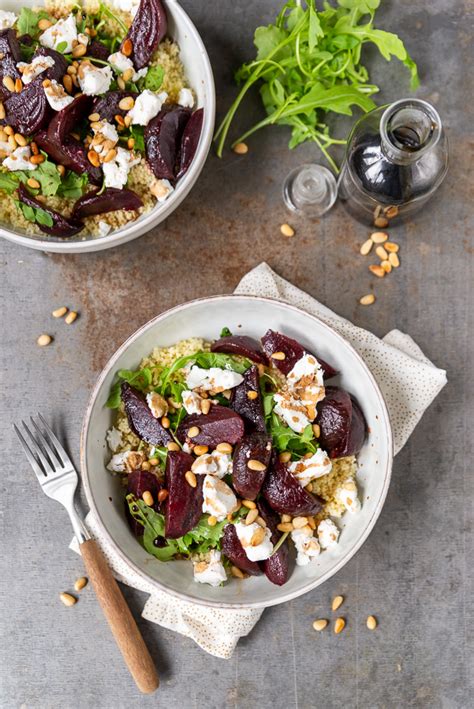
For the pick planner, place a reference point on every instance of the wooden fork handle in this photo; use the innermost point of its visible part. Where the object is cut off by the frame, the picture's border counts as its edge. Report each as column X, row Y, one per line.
column 123, row 626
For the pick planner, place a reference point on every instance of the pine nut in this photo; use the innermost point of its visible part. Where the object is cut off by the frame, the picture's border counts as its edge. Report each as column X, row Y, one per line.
column 127, row 103
column 285, row 527
column 80, row 583
column 260, row 521
column 377, row 211
column 381, row 253
column 287, row 230
column 193, row 432
column 377, row 271
column 339, row 625
column 9, row 83
column 44, row 24
column 153, row 461
column 34, row 184
column 79, row 51
column 67, row 599
column 72, row 71
column 59, row 312
column 337, row 602
column 67, row 83
column 387, row 266
column 191, row 478
column 257, row 537
column 93, row 158
column 119, row 120
column 280, row 356
column 311, row 522
column 394, row 260
column 367, row 299
column 18, row 86
column 61, row 170
column 240, row 148
column 316, row 430
column 252, row 395
column 128, row 75
column 94, row 117
column 127, row 47
column 235, row 571
column 21, row 140
column 251, row 516
column 286, row 518
column 224, row 448
column 44, row 340
column 371, row 622
column 121, row 83
column 391, row 247
column 320, row 624
column 381, row 222
column 206, row 407
column 212, row 521
column 162, row 495
column 145, row 465
column 147, row 497
column 391, row 212
column 200, row 450
column 309, row 487
column 165, row 422
column 2, row 111
column 284, row 457
column 70, row 317
column 300, row 522
column 12, row 142
column 256, row 465
column 131, row 145
column 379, row 237
column 366, row 246
column 46, row 83
column 111, row 155
column 172, row 446
column 250, row 504
column 9, row 130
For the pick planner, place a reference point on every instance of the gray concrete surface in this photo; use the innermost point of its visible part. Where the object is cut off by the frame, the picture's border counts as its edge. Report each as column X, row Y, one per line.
column 415, row 571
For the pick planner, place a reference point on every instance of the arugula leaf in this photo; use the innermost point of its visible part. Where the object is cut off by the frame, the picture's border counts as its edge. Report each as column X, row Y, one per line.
column 49, row 178
column 27, row 22
column 138, row 133
column 205, row 360
column 140, row 379
column 72, row 186
column 154, row 78
column 35, row 214
column 225, row 332
column 8, row 182
column 285, row 439
column 61, row 47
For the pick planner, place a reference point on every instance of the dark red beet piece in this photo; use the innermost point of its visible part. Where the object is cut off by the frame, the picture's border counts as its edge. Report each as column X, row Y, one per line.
column 141, row 420
column 276, row 342
column 148, row 29
column 251, row 410
column 246, row 482
column 183, row 507
column 28, row 111
column 234, row 551
column 189, row 144
column 284, row 494
column 61, row 225
column 11, row 55
column 71, row 154
column 55, row 72
column 109, row 201
column 138, row 482
column 98, row 50
column 220, row 425
column 162, row 140
column 107, row 106
column 275, row 567
column 67, row 119
column 241, row 345
column 342, row 423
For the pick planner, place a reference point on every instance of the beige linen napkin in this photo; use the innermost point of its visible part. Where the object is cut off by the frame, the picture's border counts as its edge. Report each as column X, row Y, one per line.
column 409, row 382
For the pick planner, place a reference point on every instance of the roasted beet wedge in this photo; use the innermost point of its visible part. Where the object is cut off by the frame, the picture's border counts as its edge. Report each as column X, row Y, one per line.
column 98, row 50
column 275, row 567
column 64, row 121
column 276, row 342
column 189, row 143
column 162, row 140
column 61, row 225
column 138, row 482
column 55, row 72
column 220, row 425
column 11, row 55
column 247, row 482
column 141, row 420
column 183, row 506
column 147, row 30
column 285, row 495
column 251, row 410
column 109, row 201
column 241, row 345
column 107, row 106
column 28, row 111
column 71, row 155
column 342, row 423
column 234, row 551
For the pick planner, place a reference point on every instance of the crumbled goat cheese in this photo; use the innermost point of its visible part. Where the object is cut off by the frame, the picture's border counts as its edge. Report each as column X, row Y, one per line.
column 308, row 469
column 306, row 546
column 57, row 96
column 254, row 551
column 211, row 570
column 117, row 462
column 347, row 495
column 19, row 160
column 215, row 379
column 104, row 228
column 157, row 404
column 161, row 189
column 37, row 66
column 7, row 19
column 83, row 39
column 186, row 98
column 191, row 402
column 328, row 534
column 114, row 439
column 306, row 366
column 130, row 6
column 147, row 106
column 116, row 171
column 121, row 64
column 292, row 412
column 215, row 463
column 94, row 81
column 219, row 500
column 62, row 31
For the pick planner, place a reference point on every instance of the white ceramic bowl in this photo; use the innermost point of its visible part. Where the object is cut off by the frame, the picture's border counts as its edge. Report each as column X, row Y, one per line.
column 252, row 316
column 199, row 74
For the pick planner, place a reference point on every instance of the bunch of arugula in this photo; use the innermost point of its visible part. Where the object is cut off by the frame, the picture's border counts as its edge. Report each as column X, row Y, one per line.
column 309, row 63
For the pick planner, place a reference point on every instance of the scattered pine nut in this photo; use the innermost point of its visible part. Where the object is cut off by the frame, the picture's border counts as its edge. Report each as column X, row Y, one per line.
column 79, row 51
column 80, row 583
column 252, row 395
column 316, row 430
column 377, row 271
column 391, row 246
column 238, row 573
column 147, row 497
column 205, row 406
column 261, row 521
column 287, row 230
column 2, row 111
column 131, row 143
column 44, row 24
column 165, row 422
column 256, row 465
column 394, row 260
column 309, row 487
column 9, row 83
column 70, row 317
column 339, row 625
column 62, row 170
column 127, row 103
column 127, row 47
column 59, row 312
column 200, row 450
column 146, row 465
column 285, row 527
column 111, row 155
column 284, row 457
column 153, row 461
column 320, row 624
column 67, row 599
column 191, row 478
column 250, row 504
column 240, row 148
column 93, row 158
column 367, row 299
column 381, row 222
column 279, row 356
column 300, row 522
column 251, row 516
column 34, row 184
column 337, row 602
column 44, row 340
column 379, row 237
column 387, row 266
column 381, row 253
column 193, row 432
column 257, row 537
column 371, row 622
column 162, row 495
column 67, row 83
column 286, row 518
column 391, row 212
column 224, row 448
column 172, row 446
column 94, row 117
column 21, row 140
column 128, row 75
column 366, row 247
column 212, row 521
column 121, row 83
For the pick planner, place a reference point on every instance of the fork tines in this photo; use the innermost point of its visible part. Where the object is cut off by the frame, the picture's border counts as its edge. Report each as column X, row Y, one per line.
column 45, row 453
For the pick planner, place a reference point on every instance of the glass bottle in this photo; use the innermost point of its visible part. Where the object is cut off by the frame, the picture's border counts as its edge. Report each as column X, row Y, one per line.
column 396, row 158
column 310, row 190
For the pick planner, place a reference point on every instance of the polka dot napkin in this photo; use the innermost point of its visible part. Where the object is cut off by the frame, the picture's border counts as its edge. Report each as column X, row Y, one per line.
column 411, row 386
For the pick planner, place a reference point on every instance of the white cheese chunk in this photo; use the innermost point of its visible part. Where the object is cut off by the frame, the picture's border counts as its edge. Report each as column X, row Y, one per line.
column 306, row 545
column 114, row 439
column 130, row 6
column 83, row 39
column 214, row 378
column 219, row 500
column 121, row 63
column 64, row 32
column 186, row 98
column 37, row 66
column 7, row 19
column 157, row 404
column 19, row 160
column 147, row 106
column 116, row 171
column 308, row 469
column 161, row 189
column 292, row 412
column 117, row 462
column 211, row 570
column 57, row 96
column 347, row 495
column 306, row 366
column 215, row 463
column 104, row 228
column 191, row 402
column 254, row 551
column 93, row 80
column 328, row 534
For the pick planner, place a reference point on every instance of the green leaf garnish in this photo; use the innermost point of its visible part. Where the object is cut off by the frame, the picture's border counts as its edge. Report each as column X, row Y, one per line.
column 27, row 22
column 8, row 182
column 72, row 186
column 35, row 214
column 61, row 47
column 154, row 78
column 140, row 379
column 225, row 332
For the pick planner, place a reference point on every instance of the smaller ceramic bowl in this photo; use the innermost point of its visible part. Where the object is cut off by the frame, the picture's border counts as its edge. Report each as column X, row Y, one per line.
column 199, row 74
column 251, row 316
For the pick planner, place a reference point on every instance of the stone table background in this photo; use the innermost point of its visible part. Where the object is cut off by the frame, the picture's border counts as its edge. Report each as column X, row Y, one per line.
column 413, row 572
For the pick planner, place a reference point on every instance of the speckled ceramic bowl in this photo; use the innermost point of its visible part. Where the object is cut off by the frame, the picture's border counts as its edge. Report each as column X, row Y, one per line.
column 199, row 74
column 252, row 316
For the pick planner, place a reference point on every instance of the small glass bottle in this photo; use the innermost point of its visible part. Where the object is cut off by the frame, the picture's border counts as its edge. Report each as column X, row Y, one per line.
column 396, row 158
column 310, row 190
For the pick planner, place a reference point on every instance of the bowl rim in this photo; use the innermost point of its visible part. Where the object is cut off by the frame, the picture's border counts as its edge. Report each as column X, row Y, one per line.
column 311, row 583
column 159, row 213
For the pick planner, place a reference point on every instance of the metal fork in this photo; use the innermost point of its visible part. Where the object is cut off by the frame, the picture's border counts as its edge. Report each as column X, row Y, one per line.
column 58, row 479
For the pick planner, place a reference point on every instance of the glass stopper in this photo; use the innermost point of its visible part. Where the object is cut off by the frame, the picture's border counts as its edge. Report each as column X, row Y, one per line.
column 310, row 190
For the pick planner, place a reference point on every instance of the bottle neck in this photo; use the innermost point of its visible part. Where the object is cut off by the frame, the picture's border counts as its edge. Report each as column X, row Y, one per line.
column 409, row 128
